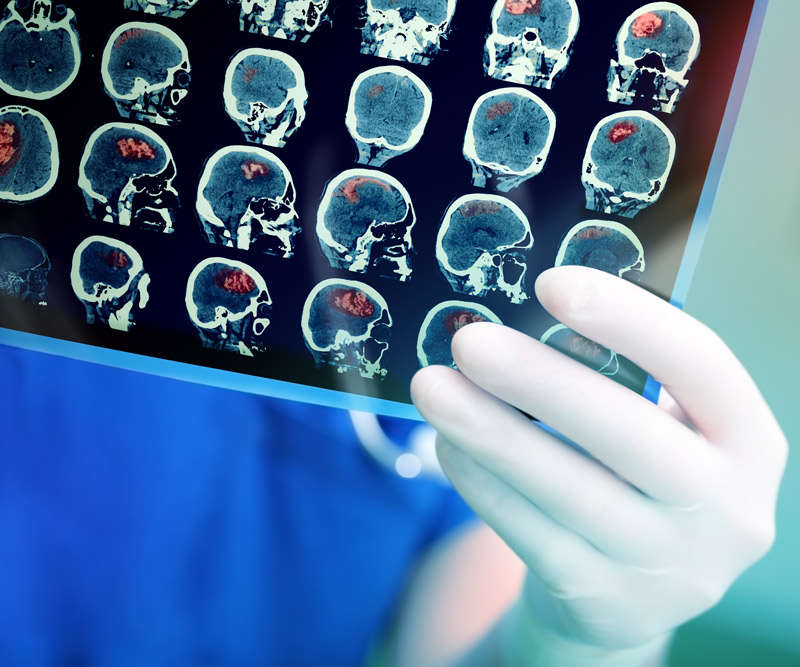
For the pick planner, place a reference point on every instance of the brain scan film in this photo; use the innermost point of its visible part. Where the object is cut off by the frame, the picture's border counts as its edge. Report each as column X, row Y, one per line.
column 509, row 137
column 364, row 223
column 108, row 276
column 441, row 324
column 530, row 42
column 407, row 30
column 604, row 245
column 39, row 51
column 286, row 19
column 656, row 47
column 173, row 9
column 346, row 325
column 245, row 200
column 582, row 349
column 126, row 175
column 387, row 113
column 482, row 247
column 28, row 155
column 265, row 95
column 229, row 305
column 627, row 163
column 146, row 71
column 24, row 268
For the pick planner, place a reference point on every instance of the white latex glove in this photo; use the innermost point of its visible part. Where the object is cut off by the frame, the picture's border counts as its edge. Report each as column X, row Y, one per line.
column 672, row 504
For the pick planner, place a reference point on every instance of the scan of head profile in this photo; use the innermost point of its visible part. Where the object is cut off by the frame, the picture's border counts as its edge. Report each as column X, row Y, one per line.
column 29, row 158
column 440, row 325
column 287, row 19
column 24, row 269
column 604, row 245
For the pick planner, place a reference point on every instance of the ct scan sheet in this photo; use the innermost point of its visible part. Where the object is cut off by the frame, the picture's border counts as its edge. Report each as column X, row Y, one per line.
column 307, row 199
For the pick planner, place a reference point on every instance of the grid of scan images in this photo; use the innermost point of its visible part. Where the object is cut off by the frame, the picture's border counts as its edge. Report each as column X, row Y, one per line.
column 324, row 192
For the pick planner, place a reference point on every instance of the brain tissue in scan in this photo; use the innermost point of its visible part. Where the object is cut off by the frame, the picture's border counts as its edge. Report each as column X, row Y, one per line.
column 604, row 245
column 173, row 9
column 582, row 349
column 24, row 269
column 286, row 19
column 39, row 50
column 29, row 158
column 387, row 113
column 440, row 325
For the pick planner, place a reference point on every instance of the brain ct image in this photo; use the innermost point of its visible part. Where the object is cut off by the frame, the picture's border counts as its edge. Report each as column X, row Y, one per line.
column 109, row 278
column 229, row 305
column 39, row 51
column 530, row 41
column 656, row 47
column 172, row 9
column 286, row 19
column 482, row 246
column 245, row 200
column 126, row 175
column 627, row 163
column 265, row 95
column 604, row 245
column 28, row 155
column 509, row 136
column 364, row 223
column 407, row 30
column 387, row 113
column 582, row 349
column 146, row 72
column 441, row 324
column 24, row 268
column 346, row 325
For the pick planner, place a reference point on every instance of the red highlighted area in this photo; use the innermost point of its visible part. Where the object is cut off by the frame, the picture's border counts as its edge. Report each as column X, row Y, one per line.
column 249, row 74
column 128, row 35
column 589, row 233
column 461, row 318
column 117, row 259
column 235, row 281
column 9, row 152
column 648, row 25
column 253, row 170
column 353, row 302
column 520, row 7
column 584, row 348
column 473, row 208
column 376, row 91
column 350, row 188
column 621, row 131
column 135, row 149
column 500, row 109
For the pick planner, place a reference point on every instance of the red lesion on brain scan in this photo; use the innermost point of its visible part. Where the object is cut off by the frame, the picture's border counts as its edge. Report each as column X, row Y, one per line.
column 350, row 188
column 584, row 348
column 116, row 259
column 622, row 131
column 253, row 170
column 236, row 281
column 500, row 109
column 135, row 149
column 376, row 91
column 133, row 33
column 249, row 73
column 461, row 318
column 354, row 302
column 473, row 208
column 520, row 7
column 594, row 232
column 9, row 145
column 648, row 25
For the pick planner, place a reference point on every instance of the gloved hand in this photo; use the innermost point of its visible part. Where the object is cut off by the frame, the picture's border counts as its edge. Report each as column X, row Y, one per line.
column 667, row 505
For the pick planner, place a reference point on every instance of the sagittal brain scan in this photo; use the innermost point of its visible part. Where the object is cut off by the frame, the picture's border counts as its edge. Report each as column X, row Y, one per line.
column 146, row 71
column 229, row 305
column 364, row 223
column 265, row 95
column 286, row 19
column 387, row 113
column 530, row 41
column 656, row 47
column 39, row 51
column 173, row 9
column 582, row 349
column 604, row 245
column 126, row 175
column 245, row 200
column 482, row 246
column 346, row 325
column 440, row 325
column 24, row 268
column 108, row 276
column 28, row 155
column 627, row 163
column 407, row 30
column 509, row 136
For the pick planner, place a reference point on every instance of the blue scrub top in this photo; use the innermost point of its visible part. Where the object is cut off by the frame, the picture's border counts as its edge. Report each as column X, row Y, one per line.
column 147, row 521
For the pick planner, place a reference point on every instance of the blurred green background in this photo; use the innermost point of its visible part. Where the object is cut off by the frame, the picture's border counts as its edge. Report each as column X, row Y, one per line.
column 747, row 288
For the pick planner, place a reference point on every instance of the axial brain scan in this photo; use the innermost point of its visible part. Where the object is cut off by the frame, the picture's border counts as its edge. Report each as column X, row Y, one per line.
column 173, row 9
column 627, row 163
column 441, row 324
column 604, row 245
column 126, row 175
column 39, row 51
column 146, row 71
column 482, row 246
column 286, row 19
column 531, row 40
column 582, row 349
column 387, row 113
column 24, row 268
column 245, row 200
column 28, row 155
column 509, row 136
